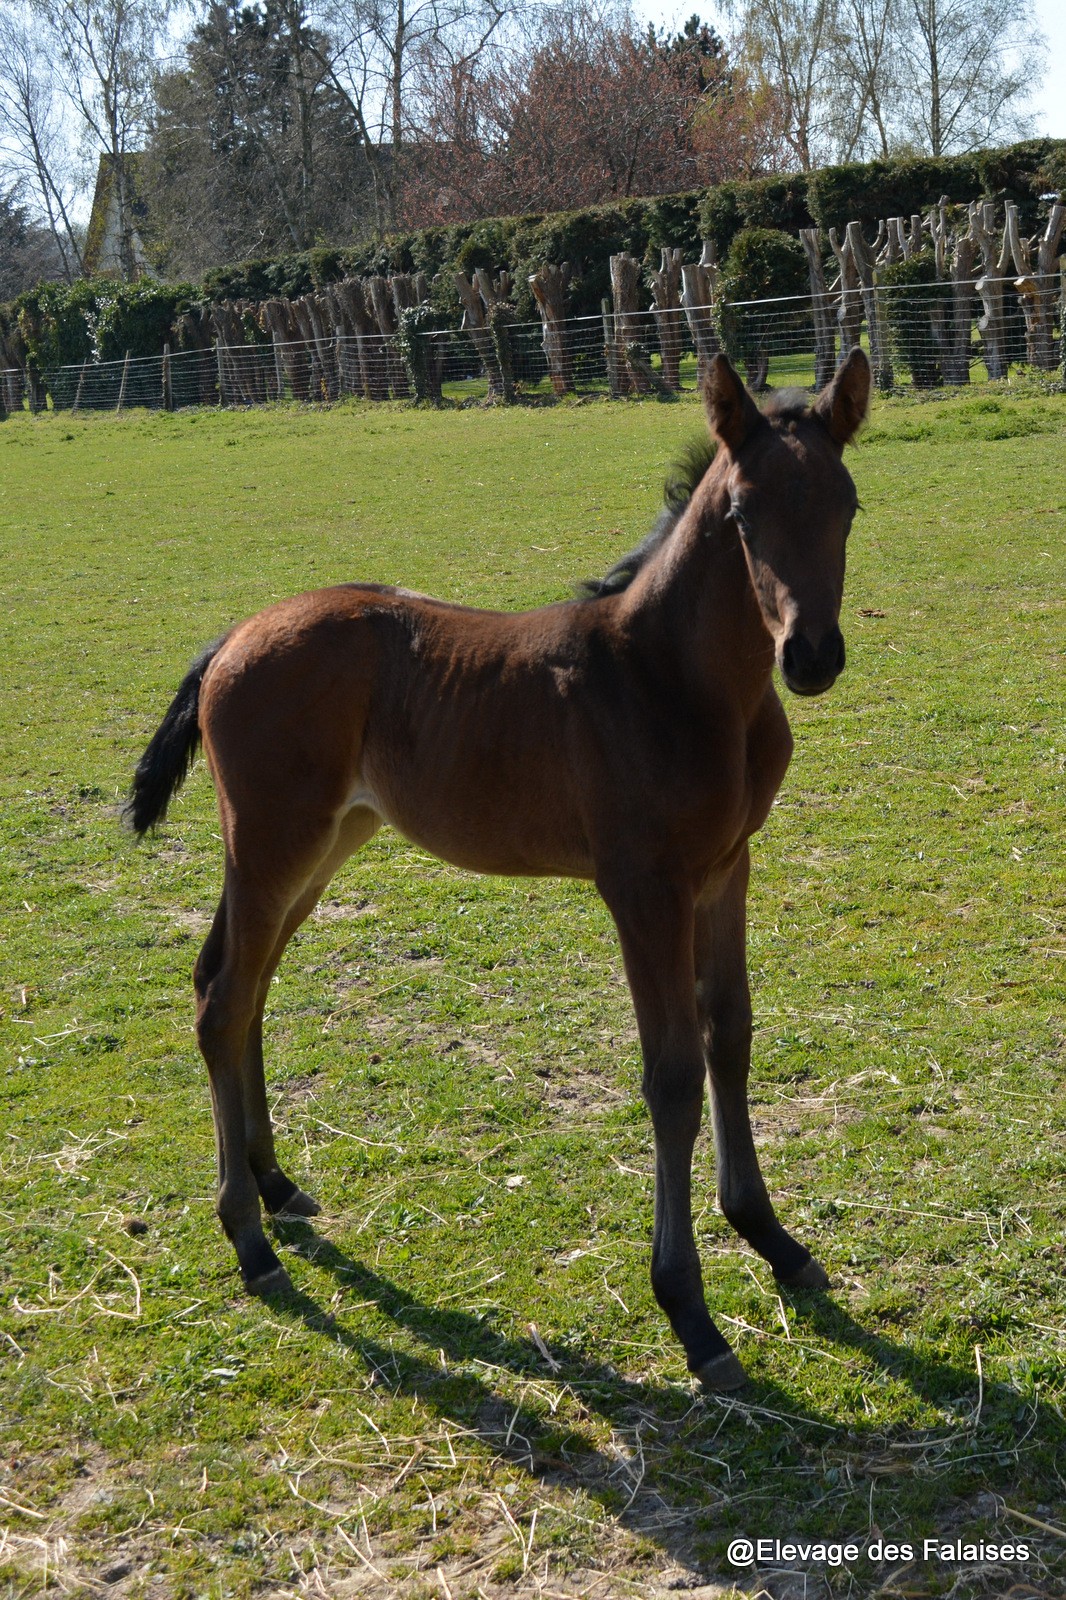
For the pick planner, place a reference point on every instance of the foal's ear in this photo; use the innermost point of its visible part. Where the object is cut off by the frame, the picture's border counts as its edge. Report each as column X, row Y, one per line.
column 731, row 412
column 843, row 403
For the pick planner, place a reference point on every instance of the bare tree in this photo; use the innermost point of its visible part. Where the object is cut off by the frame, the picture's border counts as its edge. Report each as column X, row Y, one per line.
column 33, row 137
column 28, row 251
column 967, row 67
column 873, row 77
column 377, row 59
column 107, row 52
column 790, row 47
column 866, row 67
column 585, row 106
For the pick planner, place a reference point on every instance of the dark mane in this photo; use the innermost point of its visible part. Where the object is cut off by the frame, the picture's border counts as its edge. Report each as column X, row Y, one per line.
column 682, row 481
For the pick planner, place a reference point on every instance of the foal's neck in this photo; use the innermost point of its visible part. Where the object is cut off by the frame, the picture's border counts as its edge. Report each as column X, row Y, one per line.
column 694, row 605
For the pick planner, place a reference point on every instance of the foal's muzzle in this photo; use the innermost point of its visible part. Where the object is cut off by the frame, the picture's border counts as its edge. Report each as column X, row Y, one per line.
column 809, row 668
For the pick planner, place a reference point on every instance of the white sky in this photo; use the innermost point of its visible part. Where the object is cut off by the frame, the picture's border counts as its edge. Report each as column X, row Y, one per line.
column 1048, row 101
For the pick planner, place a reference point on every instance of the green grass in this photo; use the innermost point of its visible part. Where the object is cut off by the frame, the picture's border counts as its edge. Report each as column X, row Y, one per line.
column 436, row 1038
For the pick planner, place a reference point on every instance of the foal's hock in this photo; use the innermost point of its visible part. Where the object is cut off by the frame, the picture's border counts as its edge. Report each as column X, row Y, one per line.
column 632, row 737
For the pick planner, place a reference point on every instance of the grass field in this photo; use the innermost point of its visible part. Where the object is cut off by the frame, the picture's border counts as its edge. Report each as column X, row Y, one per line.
column 456, row 1070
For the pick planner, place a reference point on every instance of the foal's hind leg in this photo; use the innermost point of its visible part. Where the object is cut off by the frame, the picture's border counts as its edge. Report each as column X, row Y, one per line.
column 280, row 1194
column 258, row 913
column 725, row 1017
column 227, row 979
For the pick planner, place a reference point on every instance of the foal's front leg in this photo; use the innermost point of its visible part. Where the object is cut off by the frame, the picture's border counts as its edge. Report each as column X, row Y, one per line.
column 655, row 926
column 725, row 1017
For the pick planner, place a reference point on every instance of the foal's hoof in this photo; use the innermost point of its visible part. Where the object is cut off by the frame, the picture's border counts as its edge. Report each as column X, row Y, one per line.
column 299, row 1204
column 721, row 1374
column 268, row 1284
column 812, row 1275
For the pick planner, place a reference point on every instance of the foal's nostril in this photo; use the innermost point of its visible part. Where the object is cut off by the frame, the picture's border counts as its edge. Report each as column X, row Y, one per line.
column 807, row 666
column 837, row 653
column 796, row 657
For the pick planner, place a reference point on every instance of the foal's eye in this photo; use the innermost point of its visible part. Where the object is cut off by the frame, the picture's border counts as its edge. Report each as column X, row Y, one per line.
column 742, row 525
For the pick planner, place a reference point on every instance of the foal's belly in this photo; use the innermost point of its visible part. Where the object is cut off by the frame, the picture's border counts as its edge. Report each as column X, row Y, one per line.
column 467, row 820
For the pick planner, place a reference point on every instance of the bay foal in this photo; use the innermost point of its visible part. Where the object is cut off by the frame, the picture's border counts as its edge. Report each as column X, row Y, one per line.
column 632, row 737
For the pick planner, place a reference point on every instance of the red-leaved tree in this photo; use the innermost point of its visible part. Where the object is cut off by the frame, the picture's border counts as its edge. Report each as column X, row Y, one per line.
column 585, row 109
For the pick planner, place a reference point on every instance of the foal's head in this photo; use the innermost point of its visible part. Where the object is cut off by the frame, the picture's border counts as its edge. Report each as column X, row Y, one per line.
column 791, row 500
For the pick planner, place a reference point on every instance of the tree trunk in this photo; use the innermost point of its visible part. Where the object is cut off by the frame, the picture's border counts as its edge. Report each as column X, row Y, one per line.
column 666, row 309
column 825, row 338
column 699, row 289
column 849, row 312
column 474, row 323
column 995, row 259
column 550, row 286
column 1037, row 286
column 628, row 325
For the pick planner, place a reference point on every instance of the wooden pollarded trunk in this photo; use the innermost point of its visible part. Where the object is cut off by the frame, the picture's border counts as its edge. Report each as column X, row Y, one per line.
column 825, row 333
column 864, row 257
column 994, row 251
column 628, row 324
column 1037, row 284
column 551, row 286
column 349, row 298
column 699, row 292
column 849, row 311
column 350, row 315
column 665, row 287
column 475, row 323
column 389, row 372
column 276, row 317
column 952, row 322
column 500, row 312
column 318, row 336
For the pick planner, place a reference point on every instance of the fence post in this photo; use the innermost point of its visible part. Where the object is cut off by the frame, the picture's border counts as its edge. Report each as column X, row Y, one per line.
column 610, row 349
column 278, row 374
column 220, row 369
column 122, row 385
column 168, row 392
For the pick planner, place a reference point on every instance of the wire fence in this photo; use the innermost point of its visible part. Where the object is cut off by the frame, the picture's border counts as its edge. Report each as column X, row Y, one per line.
column 926, row 336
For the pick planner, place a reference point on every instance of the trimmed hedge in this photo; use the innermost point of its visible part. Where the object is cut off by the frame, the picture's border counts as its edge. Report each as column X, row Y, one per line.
column 99, row 319
column 911, row 331
column 762, row 264
column 780, row 203
column 104, row 319
column 830, row 197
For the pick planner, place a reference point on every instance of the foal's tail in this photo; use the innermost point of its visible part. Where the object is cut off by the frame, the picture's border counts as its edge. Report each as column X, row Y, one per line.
column 162, row 769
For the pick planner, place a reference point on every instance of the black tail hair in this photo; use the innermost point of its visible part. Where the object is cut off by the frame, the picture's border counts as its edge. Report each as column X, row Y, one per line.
column 162, row 769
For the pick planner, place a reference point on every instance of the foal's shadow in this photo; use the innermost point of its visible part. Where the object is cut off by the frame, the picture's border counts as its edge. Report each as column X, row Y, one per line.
column 657, row 1503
